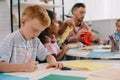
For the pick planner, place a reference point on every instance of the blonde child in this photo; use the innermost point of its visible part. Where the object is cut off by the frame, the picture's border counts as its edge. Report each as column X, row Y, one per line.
column 19, row 50
column 117, row 33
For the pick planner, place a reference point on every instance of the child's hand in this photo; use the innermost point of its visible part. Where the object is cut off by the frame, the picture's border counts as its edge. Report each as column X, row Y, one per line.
column 57, row 65
column 65, row 48
column 70, row 23
column 105, row 41
column 30, row 66
column 47, row 39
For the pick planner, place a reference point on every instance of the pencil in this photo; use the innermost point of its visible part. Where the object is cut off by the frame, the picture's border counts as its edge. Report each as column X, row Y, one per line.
column 25, row 54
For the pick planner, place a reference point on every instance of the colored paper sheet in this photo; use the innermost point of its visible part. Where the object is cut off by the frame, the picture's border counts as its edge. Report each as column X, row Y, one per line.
column 11, row 77
column 75, row 48
column 102, row 50
column 111, row 73
column 74, row 45
column 62, row 77
column 85, row 65
column 100, row 54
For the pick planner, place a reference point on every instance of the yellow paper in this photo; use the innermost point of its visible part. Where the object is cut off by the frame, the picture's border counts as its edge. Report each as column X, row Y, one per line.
column 85, row 65
column 65, row 34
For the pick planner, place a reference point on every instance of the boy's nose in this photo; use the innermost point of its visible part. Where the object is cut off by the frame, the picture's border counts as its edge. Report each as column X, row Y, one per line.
column 36, row 34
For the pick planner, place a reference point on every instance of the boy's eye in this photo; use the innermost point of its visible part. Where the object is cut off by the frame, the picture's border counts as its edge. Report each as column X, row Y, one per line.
column 34, row 30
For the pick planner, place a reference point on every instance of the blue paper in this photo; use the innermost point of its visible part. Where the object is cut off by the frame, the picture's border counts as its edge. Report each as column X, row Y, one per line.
column 100, row 54
column 76, row 48
column 11, row 77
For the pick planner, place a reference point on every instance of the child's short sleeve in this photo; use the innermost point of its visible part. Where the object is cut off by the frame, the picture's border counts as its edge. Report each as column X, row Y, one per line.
column 5, row 50
column 42, row 52
column 52, row 48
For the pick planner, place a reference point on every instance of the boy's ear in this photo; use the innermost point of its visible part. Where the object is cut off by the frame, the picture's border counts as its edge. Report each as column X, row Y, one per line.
column 23, row 20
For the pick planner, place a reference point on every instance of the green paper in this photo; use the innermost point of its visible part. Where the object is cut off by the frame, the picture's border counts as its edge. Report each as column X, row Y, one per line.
column 62, row 77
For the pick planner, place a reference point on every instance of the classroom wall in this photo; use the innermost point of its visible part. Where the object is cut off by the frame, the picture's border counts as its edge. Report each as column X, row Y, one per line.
column 105, row 27
column 95, row 9
column 4, row 19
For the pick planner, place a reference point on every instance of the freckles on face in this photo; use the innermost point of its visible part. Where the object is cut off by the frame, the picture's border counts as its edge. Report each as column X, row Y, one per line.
column 35, row 32
column 34, row 29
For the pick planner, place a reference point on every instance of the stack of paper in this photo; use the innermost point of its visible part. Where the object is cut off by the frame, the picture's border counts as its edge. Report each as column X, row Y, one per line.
column 106, row 47
column 85, row 65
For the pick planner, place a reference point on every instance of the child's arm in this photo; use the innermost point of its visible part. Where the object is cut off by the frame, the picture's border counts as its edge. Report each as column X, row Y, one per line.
column 53, row 63
column 106, row 41
column 63, row 28
column 61, row 54
column 24, row 67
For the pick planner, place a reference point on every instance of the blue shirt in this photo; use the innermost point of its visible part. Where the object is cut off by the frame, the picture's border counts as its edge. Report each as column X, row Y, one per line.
column 13, row 47
column 117, row 36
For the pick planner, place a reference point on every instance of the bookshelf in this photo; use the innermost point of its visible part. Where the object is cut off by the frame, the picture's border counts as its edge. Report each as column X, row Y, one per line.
column 18, row 8
column 25, row 4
